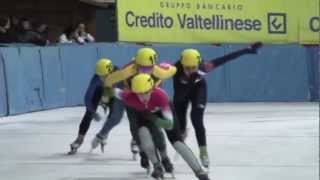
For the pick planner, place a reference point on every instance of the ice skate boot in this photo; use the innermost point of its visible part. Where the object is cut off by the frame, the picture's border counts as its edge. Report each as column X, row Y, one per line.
column 157, row 172
column 204, row 158
column 75, row 145
column 202, row 175
column 144, row 162
column 168, row 166
column 134, row 149
column 98, row 140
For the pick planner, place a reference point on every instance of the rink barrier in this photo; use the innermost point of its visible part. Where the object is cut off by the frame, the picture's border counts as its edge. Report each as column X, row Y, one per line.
column 39, row 78
column 312, row 55
column 280, row 75
column 3, row 89
column 53, row 79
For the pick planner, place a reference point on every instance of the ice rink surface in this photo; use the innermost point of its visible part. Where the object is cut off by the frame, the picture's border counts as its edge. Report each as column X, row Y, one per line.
column 247, row 141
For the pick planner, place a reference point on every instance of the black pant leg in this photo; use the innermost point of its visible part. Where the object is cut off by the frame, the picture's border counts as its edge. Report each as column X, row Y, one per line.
column 87, row 118
column 85, row 123
column 133, row 123
column 180, row 109
column 198, row 104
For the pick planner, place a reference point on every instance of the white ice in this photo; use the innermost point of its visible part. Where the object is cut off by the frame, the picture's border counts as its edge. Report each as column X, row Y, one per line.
column 247, row 141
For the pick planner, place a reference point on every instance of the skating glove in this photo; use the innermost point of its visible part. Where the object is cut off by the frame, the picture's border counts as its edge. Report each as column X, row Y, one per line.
column 160, row 122
column 108, row 92
column 164, row 123
column 253, row 48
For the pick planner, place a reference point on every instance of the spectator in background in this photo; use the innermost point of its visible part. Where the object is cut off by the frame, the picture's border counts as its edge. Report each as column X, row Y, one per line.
column 42, row 32
column 14, row 27
column 24, row 32
column 81, row 35
column 27, row 35
column 5, row 36
column 68, row 35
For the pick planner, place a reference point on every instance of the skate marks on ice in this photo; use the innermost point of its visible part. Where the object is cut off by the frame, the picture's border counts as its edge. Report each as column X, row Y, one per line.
column 141, row 175
column 81, row 158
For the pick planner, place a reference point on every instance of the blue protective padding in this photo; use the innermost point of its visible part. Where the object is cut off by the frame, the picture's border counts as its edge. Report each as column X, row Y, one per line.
column 36, row 78
column 54, row 87
column 78, row 69
column 120, row 54
column 16, row 81
column 30, row 57
column 313, row 65
column 3, row 89
column 278, row 73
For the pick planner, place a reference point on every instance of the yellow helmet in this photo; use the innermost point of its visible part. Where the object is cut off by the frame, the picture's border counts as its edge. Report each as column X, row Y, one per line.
column 146, row 57
column 104, row 67
column 190, row 57
column 142, row 83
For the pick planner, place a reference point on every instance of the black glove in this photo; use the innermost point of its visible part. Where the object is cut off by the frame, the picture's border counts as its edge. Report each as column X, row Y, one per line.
column 253, row 48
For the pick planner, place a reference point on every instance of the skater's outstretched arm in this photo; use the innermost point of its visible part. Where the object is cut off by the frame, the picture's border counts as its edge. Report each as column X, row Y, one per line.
column 120, row 75
column 213, row 63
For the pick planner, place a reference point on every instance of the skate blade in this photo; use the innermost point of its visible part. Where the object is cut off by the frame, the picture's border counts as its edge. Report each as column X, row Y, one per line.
column 102, row 148
column 169, row 176
column 158, row 178
column 206, row 169
column 72, row 152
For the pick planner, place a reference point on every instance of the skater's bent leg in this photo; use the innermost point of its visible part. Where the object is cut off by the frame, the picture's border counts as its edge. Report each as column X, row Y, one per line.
column 85, row 123
column 197, row 122
column 198, row 102
column 132, row 117
column 187, row 155
column 114, row 118
column 181, row 114
column 83, row 128
column 147, row 144
column 159, row 140
column 176, row 140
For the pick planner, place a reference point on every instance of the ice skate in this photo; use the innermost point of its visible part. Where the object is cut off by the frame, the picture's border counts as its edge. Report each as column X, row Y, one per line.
column 134, row 149
column 202, row 175
column 98, row 141
column 144, row 162
column 205, row 161
column 157, row 172
column 75, row 145
column 204, row 158
column 168, row 166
